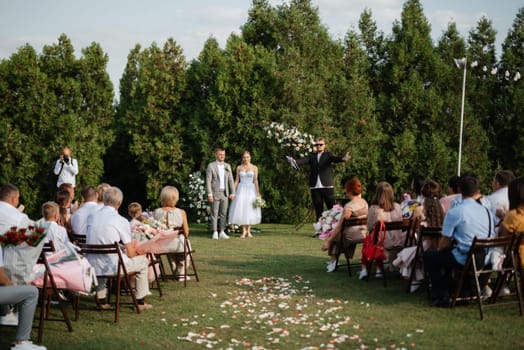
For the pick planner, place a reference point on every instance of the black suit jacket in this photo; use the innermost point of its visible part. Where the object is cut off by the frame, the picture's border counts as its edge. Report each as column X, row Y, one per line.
column 320, row 168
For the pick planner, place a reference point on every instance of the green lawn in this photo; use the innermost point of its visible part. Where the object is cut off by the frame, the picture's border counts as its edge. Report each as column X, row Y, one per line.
column 272, row 292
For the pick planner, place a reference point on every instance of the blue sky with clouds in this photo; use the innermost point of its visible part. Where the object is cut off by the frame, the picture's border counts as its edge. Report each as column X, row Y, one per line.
column 120, row 24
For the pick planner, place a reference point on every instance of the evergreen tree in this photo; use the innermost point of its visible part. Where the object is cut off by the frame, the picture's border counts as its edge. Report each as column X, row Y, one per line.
column 508, row 123
column 153, row 86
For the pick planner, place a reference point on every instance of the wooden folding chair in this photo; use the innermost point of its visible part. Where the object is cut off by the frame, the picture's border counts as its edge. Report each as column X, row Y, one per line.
column 171, row 257
column 77, row 239
column 403, row 226
column 342, row 245
column 511, row 270
column 48, row 290
column 121, row 275
column 475, row 268
column 431, row 234
column 153, row 262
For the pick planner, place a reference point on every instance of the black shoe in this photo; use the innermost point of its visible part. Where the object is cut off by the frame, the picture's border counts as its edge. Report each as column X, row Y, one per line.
column 442, row 302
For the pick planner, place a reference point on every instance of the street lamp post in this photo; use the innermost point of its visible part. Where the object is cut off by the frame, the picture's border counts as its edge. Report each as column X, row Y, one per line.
column 461, row 63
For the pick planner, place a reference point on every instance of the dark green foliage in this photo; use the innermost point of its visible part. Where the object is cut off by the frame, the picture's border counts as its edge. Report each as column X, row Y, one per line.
column 393, row 102
column 49, row 101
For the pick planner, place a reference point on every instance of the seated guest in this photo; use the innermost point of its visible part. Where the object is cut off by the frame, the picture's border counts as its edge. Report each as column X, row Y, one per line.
column 88, row 206
column 429, row 214
column 461, row 224
column 142, row 227
column 173, row 218
column 384, row 208
column 100, row 190
column 108, row 227
column 71, row 189
column 453, row 192
column 25, row 298
column 514, row 219
column 10, row 211
column 414, row 199
column 499, row 197
column 357, row 207
column 63, row 199
column 54, row 232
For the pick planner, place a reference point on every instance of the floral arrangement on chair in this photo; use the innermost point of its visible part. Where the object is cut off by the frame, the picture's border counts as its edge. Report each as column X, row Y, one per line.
column 328, row 221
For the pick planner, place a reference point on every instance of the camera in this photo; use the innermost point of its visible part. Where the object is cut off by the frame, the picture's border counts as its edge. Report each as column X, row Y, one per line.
column 66, row 158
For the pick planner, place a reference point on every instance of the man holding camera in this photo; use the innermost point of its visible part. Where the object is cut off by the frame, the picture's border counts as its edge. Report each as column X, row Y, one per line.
column 66, row 168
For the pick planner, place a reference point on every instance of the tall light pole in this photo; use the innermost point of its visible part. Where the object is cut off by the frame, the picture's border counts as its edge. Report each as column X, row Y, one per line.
column 461, row 63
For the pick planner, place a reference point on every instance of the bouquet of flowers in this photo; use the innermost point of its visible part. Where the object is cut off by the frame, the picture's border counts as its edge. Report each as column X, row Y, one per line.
column 21, row 248
column 259, row 203
column 291, row 139
column 328, row 221
column 31, row 235
column 145, row 227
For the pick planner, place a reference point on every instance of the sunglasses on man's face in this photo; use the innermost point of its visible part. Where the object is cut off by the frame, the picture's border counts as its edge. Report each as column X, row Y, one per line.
column 319, row 144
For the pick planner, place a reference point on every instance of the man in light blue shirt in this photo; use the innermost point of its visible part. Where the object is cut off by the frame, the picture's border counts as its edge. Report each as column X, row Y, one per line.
column 461, row 225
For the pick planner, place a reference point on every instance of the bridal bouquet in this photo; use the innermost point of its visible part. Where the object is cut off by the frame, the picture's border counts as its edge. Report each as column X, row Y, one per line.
column 259, row 203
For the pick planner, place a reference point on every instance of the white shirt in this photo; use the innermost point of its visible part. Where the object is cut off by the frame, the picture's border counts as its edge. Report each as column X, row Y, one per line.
column 79, row 218
column 107, row 227
column 222, row 175
column 68, row 173
column 499, row 199
column 10, row 216
column 55, row 233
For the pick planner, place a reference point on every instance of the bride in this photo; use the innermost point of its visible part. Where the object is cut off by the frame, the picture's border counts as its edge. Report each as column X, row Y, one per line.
column 242, row 211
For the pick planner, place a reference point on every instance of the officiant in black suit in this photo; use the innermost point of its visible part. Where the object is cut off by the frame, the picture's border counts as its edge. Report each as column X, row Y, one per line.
column 321, row 175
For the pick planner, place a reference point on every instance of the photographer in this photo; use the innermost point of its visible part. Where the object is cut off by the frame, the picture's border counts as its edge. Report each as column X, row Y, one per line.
column 66, row 168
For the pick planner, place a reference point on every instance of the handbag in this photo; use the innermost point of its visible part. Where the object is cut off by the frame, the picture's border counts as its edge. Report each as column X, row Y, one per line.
column 373, row 247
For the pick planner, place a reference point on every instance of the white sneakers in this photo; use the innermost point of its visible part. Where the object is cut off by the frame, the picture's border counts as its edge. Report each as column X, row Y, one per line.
column 10, row 319
column 222, row 235
column 27, row 345
column 504, row 292
column 379, row 274
column 332, row 266
column 363, row 274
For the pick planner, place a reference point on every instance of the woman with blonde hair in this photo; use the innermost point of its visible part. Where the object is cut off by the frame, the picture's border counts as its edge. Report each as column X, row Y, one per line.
column 384, row 208
column 172, row 240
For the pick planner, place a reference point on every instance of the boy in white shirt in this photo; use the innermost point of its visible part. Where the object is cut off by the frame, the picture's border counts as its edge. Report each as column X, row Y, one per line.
column 54, row 232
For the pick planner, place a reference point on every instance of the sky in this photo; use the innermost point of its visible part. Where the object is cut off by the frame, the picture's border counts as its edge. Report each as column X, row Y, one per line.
column 118, row 25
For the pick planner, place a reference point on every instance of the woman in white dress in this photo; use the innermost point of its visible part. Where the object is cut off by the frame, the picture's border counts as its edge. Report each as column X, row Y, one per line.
column 242, row 211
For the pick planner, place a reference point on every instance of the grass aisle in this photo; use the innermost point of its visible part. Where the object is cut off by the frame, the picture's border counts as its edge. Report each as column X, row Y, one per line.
column 272, row 292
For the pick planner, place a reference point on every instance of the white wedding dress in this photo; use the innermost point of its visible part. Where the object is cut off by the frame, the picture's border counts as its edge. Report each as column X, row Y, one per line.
column 241, row 211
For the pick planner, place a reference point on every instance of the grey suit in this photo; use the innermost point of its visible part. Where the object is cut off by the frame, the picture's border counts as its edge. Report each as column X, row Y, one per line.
column 220, row 196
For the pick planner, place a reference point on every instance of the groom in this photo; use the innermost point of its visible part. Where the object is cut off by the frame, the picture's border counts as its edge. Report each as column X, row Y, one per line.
column 220, row 188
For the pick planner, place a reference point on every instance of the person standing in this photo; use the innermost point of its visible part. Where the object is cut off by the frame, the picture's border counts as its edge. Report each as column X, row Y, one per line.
column 243, row 211
column 321, row 175
column 220, row 188
column 66, row 168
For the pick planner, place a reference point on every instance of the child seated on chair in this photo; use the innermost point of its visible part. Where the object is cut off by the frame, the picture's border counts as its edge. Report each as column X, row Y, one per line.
column 143, row 228
column 54, row 232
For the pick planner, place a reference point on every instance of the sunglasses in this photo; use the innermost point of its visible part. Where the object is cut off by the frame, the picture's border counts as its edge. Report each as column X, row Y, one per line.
column 319, row 144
